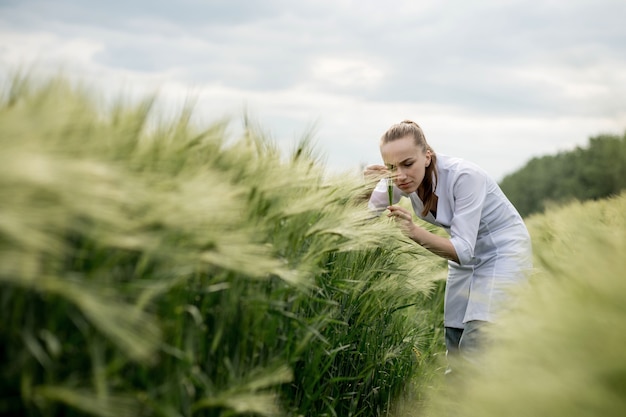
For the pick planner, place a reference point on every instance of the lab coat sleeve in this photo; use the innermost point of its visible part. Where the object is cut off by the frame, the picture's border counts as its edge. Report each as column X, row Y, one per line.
column 469, row 195
column 379, row 200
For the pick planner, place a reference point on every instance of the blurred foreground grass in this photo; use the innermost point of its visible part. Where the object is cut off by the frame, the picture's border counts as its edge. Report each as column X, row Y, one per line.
column 157, row 268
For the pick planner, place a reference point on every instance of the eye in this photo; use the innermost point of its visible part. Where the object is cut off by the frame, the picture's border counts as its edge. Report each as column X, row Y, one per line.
column 408, row 164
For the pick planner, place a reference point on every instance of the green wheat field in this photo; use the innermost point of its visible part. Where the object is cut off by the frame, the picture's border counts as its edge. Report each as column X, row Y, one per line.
column 154, row 266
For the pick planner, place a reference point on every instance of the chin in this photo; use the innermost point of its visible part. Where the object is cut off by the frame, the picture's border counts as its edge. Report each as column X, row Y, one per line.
column 409, row 189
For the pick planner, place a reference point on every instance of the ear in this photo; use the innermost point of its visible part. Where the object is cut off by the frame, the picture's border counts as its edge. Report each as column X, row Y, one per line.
column 428, row 158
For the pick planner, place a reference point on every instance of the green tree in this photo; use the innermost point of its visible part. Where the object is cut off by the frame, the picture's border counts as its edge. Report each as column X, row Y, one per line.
column 584, row 173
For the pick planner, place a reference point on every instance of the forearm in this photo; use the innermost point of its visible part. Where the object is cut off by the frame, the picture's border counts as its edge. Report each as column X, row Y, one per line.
column 439, row 245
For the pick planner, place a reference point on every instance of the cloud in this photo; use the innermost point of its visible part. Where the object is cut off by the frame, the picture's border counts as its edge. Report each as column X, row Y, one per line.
column 494, row 81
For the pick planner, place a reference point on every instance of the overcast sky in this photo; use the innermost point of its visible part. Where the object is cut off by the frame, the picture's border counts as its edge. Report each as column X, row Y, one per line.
column 494, row 81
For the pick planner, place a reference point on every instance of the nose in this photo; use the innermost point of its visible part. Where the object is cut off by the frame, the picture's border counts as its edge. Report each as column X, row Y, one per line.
column 400, row 174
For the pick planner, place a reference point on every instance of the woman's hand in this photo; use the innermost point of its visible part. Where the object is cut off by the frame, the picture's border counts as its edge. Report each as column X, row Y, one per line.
column 372, row 174
column 403, row 218
column 375, row 173
column 438, row 245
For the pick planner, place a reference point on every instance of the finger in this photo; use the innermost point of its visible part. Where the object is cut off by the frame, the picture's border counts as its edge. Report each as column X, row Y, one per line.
column 375, row 172
column 402, row 215
column 376, row 167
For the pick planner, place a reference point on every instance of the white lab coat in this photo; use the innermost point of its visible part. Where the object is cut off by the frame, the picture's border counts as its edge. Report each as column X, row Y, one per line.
column 487, row 232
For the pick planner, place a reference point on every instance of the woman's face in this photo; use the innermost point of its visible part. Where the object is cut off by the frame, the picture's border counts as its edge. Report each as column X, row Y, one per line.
column 406, row 161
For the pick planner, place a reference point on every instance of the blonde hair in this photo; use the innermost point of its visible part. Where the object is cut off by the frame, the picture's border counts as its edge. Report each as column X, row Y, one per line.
column 410, row 128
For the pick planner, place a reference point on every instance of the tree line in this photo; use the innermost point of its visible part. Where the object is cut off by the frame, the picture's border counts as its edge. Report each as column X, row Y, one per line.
column 593, row 172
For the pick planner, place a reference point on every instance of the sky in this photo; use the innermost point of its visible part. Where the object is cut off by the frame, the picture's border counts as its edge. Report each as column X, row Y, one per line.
column 497, row 82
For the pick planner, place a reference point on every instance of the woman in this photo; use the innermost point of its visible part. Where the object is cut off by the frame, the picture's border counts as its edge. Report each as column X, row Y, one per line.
column 488, row 249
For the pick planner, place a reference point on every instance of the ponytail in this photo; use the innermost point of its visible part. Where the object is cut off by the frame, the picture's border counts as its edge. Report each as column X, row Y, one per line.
column 429, row 184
